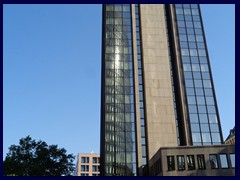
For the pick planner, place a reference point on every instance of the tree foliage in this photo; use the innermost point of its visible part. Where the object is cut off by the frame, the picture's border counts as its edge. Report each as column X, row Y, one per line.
column 36, row 158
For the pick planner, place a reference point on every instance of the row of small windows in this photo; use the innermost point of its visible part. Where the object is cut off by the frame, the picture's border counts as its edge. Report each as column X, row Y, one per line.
column 191, row 38
column 86, row 160
column 187, row 11
column 121, row 169
column 85, row 168
column 119, row 99
column 192, row 46
column 195, row 67
column 203, row 118
column 189, row 24
column 120, row 126
column 119, row 117
column 196, row 76
column 189, row 160
column 120, row 57
column 193, row 52
column 118, row 14
column 204, row 127
column 118, row 7
column 206, row 138
column 193, row 6
column 201, row 109
column 200, row 100
column 188, row 18
column 125, row 82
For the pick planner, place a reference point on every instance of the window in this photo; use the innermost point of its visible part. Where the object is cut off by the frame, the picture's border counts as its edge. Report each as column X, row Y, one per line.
column 195, row 128
column 84, row 174
column 196, row 137
column 193, row 118
column 181, row 162
column 84, row 159
column 232, row 158
column 95, row 160
column 204, row 127
column 171, row 163
column 191, row 99
column 213, row 161
column 201, row 161
column 223, row 160
column 95, row 168
column 190, row 162
column 84, row 168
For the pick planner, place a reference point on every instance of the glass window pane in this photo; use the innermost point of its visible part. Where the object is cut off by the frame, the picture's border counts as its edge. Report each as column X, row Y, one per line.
column 202, row 109
column 193, row 118
column 180, row 17
column 197, row 75
column 192, row 45
column 201, row 52
column 190, row 162
column 203, row 118
column 194, row 60
column 191, row 99
column 207, row 84
column 232, row 158
column 185, row 52
column 192, row 109
column 199, row 91
column 186, row 59
column 188, row 75
column 223, row 160
column 211, row 109
column 190, row 91
column 200, row 100
column 213, row 161
column 195, row 67
column 210, row 100
column 212, row 118
column 193, row 52
column 196, row 137
column 179, row 11
column 216, row 137
column 189, row 83
column 171, row 163
column 195, row 128
column 206, row 137
column 184, row 44
column 204, row 127
column 205, row 75
column 204, row 68
column 181, row 163
column 190, row 31
column 201, row 161
column 187, row 67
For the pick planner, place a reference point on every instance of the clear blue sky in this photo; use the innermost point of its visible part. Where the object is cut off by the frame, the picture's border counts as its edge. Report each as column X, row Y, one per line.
column 52, row 68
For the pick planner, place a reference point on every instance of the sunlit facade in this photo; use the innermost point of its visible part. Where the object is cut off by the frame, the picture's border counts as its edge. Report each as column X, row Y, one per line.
column 157, row 87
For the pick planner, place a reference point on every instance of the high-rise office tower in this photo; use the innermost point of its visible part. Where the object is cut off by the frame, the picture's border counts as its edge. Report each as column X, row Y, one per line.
column 157, row 87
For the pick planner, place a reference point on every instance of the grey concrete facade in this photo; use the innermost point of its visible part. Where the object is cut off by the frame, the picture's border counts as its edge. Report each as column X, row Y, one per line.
column 159, row 165
column 161, row 126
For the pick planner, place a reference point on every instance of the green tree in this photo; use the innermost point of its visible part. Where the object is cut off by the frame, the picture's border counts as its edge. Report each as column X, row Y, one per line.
column 36, row 158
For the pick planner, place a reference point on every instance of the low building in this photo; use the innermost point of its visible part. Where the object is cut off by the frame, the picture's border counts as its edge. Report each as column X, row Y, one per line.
column 87, row 165
column 217, row 160
column 231, row 137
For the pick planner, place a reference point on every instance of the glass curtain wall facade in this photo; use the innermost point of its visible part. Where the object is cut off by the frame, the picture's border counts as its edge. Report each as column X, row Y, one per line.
column 201, row 102
column 118, row 115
